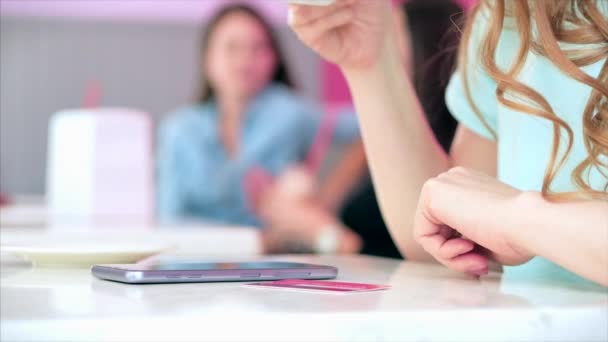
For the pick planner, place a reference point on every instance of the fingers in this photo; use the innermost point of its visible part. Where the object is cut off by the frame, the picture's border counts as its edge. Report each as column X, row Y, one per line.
column 311, row 23
column 442, row 242
column 448, row 232
column 454, row 247
column 317, row 28
column 472, row 263
column 299, row 15
column 456, row 253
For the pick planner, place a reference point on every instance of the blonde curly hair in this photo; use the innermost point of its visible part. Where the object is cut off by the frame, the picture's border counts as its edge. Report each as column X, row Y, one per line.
column 578, row 22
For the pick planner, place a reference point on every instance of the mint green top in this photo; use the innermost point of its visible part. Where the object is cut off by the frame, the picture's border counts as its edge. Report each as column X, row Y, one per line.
column 524, row 141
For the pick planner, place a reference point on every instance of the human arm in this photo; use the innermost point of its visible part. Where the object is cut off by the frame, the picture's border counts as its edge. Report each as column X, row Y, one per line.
column 400, row 146
column 323, row 133
column 353, row 164
column 573, row 235
column 466, row 218
column 296, row 221
column 298, row 212
column 303, row 225
column 344, row 176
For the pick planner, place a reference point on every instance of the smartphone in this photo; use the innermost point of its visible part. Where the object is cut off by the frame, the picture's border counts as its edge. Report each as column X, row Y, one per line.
column 172, row 272
column 312, row 2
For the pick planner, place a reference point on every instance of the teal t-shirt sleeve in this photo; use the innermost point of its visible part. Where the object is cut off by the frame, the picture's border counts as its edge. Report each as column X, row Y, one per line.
column 482, row 88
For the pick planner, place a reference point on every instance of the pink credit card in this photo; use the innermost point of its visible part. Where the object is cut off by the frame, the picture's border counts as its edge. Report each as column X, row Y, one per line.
column 319, row 286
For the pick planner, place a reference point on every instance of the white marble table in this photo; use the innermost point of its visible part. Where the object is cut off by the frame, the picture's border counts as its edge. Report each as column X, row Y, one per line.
column 203, row 239
column 426, row 303
column 25, row 211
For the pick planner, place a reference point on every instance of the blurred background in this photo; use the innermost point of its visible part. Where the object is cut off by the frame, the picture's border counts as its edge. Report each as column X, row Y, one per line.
column 87, row 89
column 138, row 54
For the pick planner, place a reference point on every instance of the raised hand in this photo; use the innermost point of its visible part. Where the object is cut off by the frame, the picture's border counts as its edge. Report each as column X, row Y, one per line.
column 350, row 33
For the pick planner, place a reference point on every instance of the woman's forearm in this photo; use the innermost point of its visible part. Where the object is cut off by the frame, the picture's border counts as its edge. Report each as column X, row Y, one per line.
column 401, row 149
column 574, row 235
column 343, row 177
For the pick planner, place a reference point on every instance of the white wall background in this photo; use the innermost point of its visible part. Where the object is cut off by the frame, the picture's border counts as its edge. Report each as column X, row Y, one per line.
column 141, row 61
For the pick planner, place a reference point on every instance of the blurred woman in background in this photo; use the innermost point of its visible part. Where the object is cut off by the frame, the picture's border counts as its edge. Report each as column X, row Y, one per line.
column 247, row 121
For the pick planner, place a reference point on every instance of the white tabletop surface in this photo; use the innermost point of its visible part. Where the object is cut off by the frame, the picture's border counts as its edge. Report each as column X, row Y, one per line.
column 426, row 303
column 204, row 239
column 25, row 211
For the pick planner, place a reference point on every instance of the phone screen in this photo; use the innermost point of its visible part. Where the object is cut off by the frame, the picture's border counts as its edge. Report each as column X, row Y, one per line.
column 222, row 266
column 209, row 266
column 159, row 271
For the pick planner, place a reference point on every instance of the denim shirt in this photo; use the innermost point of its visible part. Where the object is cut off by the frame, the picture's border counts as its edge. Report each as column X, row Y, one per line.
column 196, row 178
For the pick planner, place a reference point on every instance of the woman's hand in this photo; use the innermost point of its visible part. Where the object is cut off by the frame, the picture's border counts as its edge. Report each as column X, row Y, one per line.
column 350, row 33
column 295, row 221
column 299, row 224
column 465, row 218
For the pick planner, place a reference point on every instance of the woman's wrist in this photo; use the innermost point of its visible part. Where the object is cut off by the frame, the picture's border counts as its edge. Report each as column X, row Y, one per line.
column 337, row 239
column 523, row 233
column 387, row 59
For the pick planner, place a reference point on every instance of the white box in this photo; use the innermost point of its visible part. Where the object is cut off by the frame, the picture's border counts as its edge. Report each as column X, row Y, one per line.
column 100, row 167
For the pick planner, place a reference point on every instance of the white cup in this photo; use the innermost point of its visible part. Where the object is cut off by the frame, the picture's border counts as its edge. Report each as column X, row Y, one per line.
column 100, row 167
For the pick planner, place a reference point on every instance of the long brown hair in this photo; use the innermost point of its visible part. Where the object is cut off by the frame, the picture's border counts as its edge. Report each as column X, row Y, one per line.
column 568, row 21
column 281, row 75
